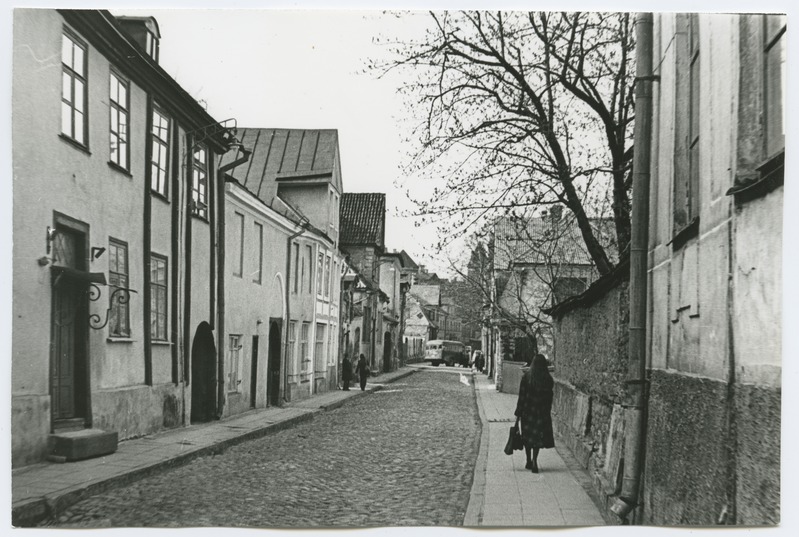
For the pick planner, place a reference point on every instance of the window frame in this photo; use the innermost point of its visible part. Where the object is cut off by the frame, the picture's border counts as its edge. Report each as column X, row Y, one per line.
column 259, row 235
column 687, row 154
column 238, row 270
column 233, row 384
column 155, row 289
column 773, row 37
column 199, row 183
column 320, row 356
column 83, row 78
column 304, row 351
column 115, row 309
column 157, row 141
column 292, row 350
column 119, row 110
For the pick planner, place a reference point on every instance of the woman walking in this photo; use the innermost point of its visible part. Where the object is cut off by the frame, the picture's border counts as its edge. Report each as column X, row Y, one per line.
column 363, row 371
column 346, row 372
column 533, row 410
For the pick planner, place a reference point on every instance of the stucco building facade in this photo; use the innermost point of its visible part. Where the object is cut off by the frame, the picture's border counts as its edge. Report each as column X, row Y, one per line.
column 116, row 205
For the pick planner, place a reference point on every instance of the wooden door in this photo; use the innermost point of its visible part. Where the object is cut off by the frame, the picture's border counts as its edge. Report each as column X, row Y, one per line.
column 273, row 387
column 254, row 371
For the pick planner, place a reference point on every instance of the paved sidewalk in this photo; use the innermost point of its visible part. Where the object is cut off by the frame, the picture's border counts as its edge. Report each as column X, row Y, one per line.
column 43, row 490
column 504, row 493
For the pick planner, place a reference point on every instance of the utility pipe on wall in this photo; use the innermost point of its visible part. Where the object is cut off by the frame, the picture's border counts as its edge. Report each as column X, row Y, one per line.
column 220, row 283
column 287, row 290
column 635, row 408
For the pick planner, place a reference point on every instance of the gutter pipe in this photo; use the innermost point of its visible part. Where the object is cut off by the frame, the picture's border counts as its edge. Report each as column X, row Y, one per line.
column 637, row 389
column 289, row 239
column 220, row 282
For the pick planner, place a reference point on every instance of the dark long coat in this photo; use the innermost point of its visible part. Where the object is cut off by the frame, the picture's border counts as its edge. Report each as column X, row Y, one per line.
column 534, row 408
column 346, row 369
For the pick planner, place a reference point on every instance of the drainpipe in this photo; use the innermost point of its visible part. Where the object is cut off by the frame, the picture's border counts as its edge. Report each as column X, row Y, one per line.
column 287, row 290
column 634, row 411
column 220, row 281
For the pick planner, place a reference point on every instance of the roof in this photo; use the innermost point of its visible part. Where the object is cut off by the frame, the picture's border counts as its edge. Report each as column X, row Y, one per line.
column 362, row 219
column 293, row 156
column 407, row 261
column 548, row 241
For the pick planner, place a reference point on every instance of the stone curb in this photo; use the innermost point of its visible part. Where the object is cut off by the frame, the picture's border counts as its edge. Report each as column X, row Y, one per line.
column 474, row 510
column 30, row 512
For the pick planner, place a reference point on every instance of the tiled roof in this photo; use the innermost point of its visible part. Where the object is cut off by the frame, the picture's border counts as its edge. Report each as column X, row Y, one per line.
column 285, row 154
column 543, row 240
column 362, row 219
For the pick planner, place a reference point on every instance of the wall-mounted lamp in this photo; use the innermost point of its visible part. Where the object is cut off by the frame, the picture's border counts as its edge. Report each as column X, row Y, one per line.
column 97, row 251
column 50, row 237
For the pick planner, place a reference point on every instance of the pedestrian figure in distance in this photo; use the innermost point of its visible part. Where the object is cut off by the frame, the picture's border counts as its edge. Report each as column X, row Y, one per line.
column 533, row 410
column 346, row 372
column 363, row 371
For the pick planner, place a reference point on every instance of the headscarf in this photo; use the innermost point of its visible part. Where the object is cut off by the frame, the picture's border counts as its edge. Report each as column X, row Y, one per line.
column 540, row 378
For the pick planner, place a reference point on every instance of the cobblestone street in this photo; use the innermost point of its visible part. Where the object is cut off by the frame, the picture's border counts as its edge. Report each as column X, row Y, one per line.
column 400, row 456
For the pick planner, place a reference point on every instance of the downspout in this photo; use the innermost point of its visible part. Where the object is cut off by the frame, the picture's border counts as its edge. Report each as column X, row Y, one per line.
column 634, row 409
column 287, row 290
column 220, row 281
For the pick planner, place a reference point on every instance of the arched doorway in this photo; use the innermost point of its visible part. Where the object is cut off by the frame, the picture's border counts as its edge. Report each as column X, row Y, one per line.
column 387, row 352
column 203, row 373
column 273, row 382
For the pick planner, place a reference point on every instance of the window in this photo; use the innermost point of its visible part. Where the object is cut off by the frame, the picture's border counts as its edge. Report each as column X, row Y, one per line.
column 73, row 88
column 367, row 320
column 686, row 153
column 160, row 157
column 238, row 269
column 119, row 121
column 336, row 278
column 292, row 350
column 234, row 349
column 296, row 248
column 306, row 360
column 319, row 350
column 158, row 300
column 320, row 265
column 331, row 345
column 151, row 45
column 119, row 316
column 327, row 276
column 259, row 236
column 309, row 256
column 774, row 77
column 199, row 184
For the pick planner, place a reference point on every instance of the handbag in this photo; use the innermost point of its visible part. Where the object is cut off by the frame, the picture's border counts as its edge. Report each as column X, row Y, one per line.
column 514, row 440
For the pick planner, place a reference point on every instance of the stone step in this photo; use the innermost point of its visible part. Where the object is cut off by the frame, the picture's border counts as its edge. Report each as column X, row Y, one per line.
column 83, row 444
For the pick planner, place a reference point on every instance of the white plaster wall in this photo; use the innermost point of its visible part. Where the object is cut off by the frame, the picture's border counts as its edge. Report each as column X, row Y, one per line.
column 757, row 288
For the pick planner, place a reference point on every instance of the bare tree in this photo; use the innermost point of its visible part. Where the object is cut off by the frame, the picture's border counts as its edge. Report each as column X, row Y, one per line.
column 521, row 110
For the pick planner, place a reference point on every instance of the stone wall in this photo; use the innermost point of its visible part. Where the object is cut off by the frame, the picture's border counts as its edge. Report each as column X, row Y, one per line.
column 590, row 356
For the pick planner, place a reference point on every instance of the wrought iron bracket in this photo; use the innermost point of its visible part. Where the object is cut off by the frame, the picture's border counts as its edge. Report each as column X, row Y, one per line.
column 120, row 295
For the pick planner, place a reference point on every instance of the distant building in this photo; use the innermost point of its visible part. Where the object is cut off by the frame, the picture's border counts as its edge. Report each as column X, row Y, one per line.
column 363, row 229
column 537, row 263
column 116, row 267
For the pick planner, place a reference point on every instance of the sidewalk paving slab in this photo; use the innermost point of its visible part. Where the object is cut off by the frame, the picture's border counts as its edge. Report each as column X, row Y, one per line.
column 504, row 493
column 42, row 490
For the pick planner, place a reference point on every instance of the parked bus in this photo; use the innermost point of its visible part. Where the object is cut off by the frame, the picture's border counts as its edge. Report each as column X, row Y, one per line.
column 438, row 351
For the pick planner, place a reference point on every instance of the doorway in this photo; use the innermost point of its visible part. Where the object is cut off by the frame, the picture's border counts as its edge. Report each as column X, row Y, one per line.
column 69, row 387
column 273, row 382
column 203, row 373
column 254, row 371
column 387, row 352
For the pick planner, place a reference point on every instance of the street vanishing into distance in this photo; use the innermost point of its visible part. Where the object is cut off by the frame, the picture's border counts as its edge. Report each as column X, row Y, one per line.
column 401, row 456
